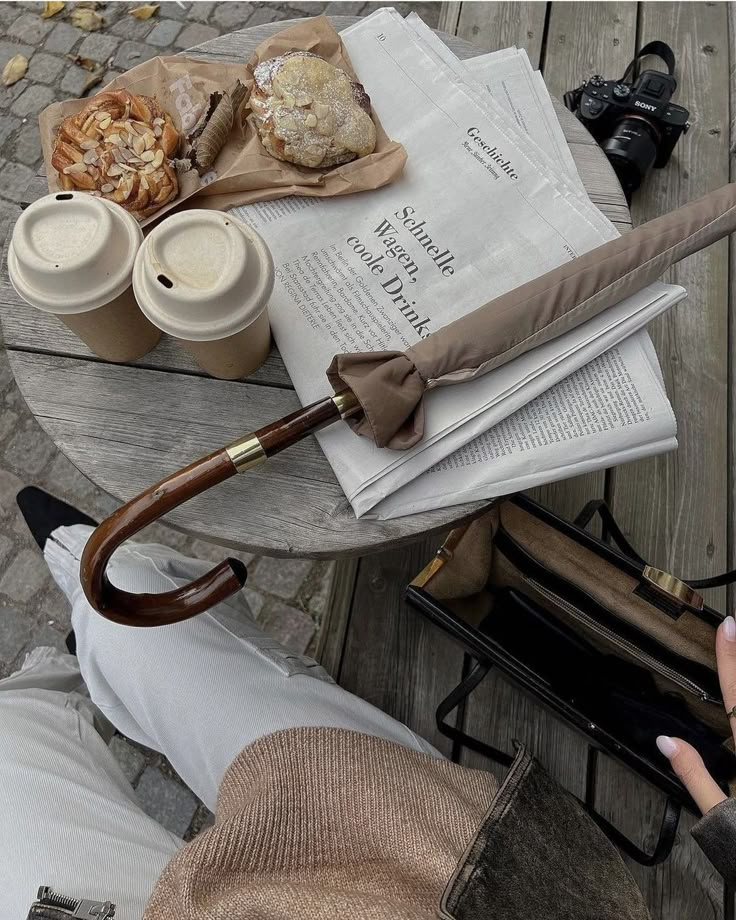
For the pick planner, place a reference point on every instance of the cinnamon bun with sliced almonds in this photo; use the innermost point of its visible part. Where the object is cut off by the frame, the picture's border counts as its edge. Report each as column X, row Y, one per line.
column 119, row 147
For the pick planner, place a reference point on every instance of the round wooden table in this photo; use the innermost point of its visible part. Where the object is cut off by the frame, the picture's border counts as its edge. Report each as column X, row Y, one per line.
column 127, row 426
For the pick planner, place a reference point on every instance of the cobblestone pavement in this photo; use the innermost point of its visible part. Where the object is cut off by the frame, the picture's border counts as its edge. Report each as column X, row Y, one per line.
column 287, row 596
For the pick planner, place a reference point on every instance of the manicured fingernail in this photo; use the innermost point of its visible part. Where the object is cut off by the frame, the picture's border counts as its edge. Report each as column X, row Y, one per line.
column 666, row 746
column 729, row 629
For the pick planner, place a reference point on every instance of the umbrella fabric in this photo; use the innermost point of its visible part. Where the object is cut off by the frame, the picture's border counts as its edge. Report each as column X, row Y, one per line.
column 390, row 385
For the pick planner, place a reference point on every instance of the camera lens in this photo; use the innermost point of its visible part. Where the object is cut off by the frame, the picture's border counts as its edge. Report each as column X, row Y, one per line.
column 632, row 150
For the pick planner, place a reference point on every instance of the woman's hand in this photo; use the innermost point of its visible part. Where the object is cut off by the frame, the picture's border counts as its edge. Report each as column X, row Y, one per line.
column 685, row 760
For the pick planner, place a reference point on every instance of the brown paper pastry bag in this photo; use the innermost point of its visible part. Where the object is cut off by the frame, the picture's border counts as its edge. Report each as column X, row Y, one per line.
column 246, row 173
column 182, row 87
column 243, row 171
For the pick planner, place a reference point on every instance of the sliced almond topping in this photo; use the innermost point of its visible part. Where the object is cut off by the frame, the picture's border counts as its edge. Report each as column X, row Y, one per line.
column 126, row 168
column 302, row 99
column 149, row 139
column 320, row 109
column 101, row 116
column 88, row 145
column 289, row 100
column 90, row 156
column 310, row 121
column 139, row 145
column 118, row 154
column 158, row 158
column 105, row 124
column 144, row 182
column 127, row 190
column 115, row 169
column 158, row 131
column 114, row 139
column 107, row 188
column 159, row 121
column 148, row 155
column 75, row 168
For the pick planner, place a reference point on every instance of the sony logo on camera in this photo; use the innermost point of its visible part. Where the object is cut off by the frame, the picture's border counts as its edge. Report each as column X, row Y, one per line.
column 645, row 105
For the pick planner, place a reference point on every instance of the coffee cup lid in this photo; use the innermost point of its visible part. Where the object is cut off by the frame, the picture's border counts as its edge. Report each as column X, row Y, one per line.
column 202, row 275
column 72, row 252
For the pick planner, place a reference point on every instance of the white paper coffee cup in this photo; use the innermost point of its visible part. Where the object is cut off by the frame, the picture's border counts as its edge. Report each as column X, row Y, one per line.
column 72, row 254
column 205, row 278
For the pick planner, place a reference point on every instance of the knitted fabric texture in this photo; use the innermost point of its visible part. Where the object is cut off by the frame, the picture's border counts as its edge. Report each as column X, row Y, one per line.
column 317, row 822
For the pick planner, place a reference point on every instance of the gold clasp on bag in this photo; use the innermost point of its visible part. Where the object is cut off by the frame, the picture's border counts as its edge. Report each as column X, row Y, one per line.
column 442, row 556
column 672, row 588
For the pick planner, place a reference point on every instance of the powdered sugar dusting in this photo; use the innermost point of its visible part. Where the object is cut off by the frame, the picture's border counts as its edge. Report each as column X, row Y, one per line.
column 310, row 112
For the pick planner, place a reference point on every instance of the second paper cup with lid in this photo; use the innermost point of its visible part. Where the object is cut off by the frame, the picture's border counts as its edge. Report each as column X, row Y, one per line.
column 205, row 278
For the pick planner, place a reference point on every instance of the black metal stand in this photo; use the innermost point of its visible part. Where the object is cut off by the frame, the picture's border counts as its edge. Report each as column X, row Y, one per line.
column 729, row 908
column 477, row 670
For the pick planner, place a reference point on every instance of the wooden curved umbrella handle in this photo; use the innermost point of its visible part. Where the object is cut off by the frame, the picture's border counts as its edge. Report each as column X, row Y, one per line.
column 229, row 576
column 159, row 609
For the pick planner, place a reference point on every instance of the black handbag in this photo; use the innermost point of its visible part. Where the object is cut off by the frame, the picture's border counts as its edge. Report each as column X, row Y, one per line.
column 620, row 651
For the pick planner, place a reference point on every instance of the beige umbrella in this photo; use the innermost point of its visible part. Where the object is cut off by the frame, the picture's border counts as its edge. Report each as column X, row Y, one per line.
column 380, row 394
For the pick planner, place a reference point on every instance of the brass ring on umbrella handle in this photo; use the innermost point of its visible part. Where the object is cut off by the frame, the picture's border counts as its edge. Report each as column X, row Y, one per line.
column 229, row 576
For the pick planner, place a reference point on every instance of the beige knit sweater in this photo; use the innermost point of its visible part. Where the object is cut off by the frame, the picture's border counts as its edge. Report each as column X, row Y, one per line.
column 327, row 823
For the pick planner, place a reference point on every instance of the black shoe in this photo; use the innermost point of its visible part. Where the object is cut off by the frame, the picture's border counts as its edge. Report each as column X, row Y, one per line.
column 43, row 513
column 71, row 642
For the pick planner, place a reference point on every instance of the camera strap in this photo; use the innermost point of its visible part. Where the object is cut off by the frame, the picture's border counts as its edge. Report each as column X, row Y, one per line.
column 658, row 49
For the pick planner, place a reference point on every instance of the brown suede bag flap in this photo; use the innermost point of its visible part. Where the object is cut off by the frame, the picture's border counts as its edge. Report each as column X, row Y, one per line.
column 538, row 855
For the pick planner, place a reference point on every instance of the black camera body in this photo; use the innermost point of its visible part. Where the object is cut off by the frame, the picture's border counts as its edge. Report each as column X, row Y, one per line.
column 636, row 123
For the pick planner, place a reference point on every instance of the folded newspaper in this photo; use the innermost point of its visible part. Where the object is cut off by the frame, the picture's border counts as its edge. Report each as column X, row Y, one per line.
column 490, row 198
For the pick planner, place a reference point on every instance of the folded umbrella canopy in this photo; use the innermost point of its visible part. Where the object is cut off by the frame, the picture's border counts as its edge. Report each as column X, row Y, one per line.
column 380, row 394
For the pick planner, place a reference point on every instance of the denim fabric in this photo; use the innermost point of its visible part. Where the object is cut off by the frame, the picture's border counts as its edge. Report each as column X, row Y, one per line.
column 538, row 854
column 716, row 836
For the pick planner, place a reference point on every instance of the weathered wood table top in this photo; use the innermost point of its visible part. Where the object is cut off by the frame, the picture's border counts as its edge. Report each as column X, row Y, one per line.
column 127, row 426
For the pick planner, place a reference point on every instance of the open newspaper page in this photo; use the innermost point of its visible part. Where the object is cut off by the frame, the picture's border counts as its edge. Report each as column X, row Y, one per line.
column 611, row 411
column 473, row 216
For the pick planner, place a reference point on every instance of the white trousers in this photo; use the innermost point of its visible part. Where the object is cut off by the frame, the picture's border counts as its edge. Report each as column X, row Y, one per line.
column 197, row 691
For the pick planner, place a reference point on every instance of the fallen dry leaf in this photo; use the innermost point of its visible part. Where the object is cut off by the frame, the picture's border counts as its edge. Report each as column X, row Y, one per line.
column 15, row 69
column 86, row 63
column 145, row 11
column 86, row 19
column 92, row 80
column 52, row 8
